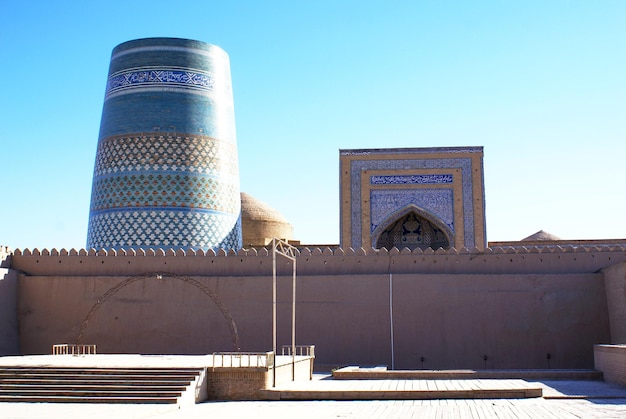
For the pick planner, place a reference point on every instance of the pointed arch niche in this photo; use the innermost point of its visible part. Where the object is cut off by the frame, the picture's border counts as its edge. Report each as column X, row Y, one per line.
column 414, row 228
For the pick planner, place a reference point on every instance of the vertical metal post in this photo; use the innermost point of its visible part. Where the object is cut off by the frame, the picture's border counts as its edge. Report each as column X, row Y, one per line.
column 391, row 318
column 293, row 323
column 288, row 251
column 274, row 310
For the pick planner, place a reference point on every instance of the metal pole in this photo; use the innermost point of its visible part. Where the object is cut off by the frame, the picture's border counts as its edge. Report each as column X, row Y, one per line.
column 274, row 310
column 293, row 323
column 287, row 251
column 391, row 318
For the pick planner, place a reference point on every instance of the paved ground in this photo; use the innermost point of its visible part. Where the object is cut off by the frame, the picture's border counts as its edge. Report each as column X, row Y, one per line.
column 603, row 401
column 561, row 399
column 502, row 409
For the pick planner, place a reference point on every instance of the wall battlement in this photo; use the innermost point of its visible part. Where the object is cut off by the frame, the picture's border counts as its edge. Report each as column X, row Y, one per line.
column 537, row 259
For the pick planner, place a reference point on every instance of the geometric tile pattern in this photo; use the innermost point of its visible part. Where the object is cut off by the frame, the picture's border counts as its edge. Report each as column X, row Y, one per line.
column 158, row 151
column 158, row 189
column 166, row 171
column 439, row 202
column 144, row 187
column 149, row 228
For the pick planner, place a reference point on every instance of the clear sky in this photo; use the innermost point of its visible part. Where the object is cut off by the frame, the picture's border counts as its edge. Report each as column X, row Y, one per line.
column 540, row 84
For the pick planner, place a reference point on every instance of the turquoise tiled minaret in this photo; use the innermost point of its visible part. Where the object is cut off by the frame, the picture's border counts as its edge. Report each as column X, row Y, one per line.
column 166, row 172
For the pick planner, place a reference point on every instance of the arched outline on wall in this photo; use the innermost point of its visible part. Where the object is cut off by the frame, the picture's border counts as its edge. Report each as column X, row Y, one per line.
column 159, row 276
column 422, row 213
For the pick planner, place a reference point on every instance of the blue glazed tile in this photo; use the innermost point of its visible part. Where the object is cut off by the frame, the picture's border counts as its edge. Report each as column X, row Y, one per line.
column 166, row 171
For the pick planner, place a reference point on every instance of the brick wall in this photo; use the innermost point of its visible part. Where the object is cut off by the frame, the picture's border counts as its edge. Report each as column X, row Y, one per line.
column 237, row 383
column 450, row 308
column 248, row 383
column 611, row 360
column 8, row 306
column 615, row 285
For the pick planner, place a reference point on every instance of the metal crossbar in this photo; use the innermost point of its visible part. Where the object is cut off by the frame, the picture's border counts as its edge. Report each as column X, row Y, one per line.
column 284, row 248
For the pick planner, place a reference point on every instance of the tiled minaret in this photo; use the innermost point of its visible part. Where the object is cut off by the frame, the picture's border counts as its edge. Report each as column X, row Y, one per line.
column 166, row 172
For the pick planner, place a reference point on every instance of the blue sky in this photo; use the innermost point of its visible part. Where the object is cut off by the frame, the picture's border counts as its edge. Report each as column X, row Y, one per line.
column 539, row 84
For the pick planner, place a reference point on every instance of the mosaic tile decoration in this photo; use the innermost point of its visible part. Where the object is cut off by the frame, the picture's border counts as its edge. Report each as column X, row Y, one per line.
column 162, row 189
column 169, row 176
column 150, row 228
column 188, row 153
column 164, row 77
column 439, row 202
column 411, row 179
column 462, row 163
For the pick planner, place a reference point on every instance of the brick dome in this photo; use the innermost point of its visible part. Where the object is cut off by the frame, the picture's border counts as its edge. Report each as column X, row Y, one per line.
column 260, row 223
column 541, row 236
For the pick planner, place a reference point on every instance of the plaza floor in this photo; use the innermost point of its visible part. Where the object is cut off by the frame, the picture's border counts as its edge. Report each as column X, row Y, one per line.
column 562, row 399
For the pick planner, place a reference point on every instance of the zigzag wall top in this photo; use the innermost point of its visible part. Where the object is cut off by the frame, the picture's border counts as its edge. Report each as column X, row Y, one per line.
column 332, row 262
column 586, row 246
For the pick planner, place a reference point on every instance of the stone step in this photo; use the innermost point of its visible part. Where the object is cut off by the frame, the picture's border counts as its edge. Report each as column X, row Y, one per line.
column 103, row 369
column 84, row 381
column 95, row 385
column 90, row 387
column 92, row 399
column 98, row 371
column 71, row 392
column 135, row 378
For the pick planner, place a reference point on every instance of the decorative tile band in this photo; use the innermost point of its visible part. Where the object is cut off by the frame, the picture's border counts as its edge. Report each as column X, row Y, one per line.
column 178, row 153
column 143, row 228
column 159, row 189
column 210, row 50
column 159, row 77
column 411, row 179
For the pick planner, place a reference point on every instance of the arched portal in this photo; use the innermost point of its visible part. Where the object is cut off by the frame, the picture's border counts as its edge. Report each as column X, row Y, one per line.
column 412, row 227
column 159, row 276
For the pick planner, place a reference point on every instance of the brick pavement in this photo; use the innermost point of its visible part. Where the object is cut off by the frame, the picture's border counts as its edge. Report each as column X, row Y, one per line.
column 606, row 401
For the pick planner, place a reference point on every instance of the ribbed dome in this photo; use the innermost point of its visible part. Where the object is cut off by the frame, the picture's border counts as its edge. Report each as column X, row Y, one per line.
column 260, row 223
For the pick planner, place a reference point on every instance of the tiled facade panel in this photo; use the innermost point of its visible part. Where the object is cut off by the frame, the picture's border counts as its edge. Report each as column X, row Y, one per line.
column 166, row 171
column 439, row 202
column 377, row 183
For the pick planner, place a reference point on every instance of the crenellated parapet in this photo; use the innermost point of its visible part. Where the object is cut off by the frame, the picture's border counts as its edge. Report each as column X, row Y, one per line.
column 331, row 261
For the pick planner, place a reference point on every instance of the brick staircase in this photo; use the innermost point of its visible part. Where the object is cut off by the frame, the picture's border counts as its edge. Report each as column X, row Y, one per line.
column 98, row 385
